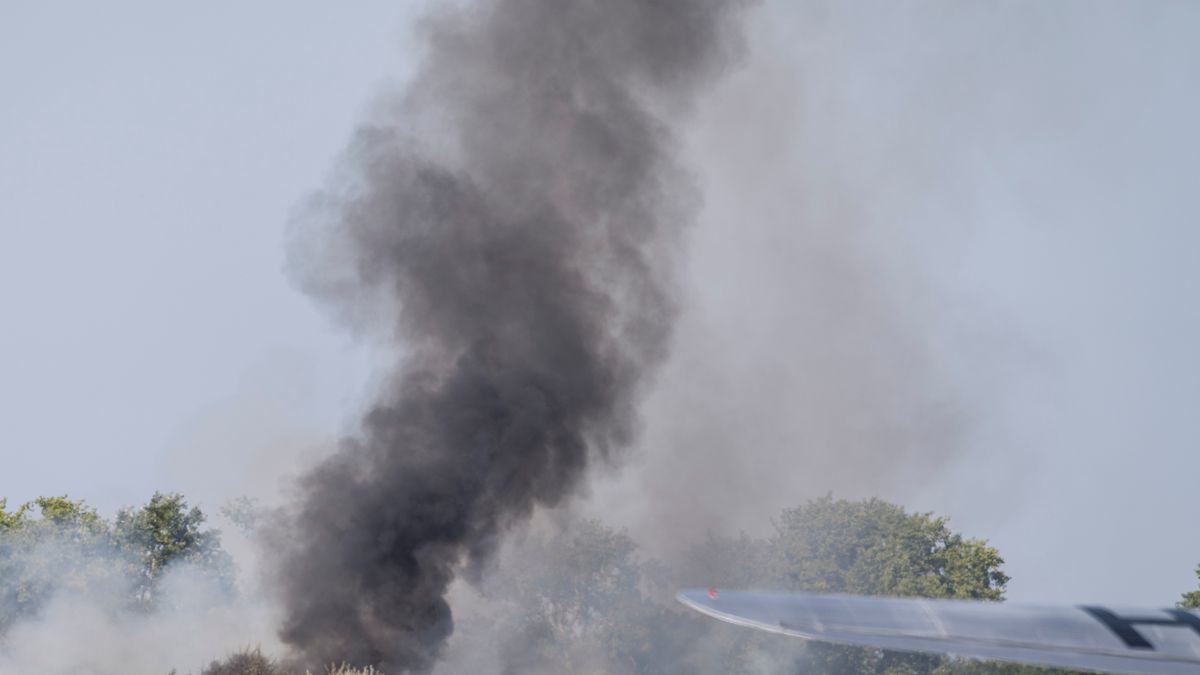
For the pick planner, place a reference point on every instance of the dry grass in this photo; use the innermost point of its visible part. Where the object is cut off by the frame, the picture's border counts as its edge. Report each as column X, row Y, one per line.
column 254, row 662
column 249, row 662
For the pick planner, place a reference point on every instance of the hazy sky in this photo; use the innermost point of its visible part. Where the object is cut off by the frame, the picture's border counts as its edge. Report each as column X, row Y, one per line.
column 947, row 257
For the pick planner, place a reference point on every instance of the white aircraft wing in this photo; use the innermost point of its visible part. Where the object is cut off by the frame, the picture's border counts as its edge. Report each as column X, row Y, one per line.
column 1091, row 638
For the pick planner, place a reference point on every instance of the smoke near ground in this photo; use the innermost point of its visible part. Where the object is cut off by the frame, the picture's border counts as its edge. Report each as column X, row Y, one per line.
column 149, row 591
column 513, row 223
column 571, row 595
column 93, row 633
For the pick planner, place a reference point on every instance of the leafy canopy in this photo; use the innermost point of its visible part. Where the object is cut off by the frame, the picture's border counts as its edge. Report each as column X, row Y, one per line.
column 876, row 548
column 165, row 531
column 56, row 544
column 1191, row 600
column 587, row 596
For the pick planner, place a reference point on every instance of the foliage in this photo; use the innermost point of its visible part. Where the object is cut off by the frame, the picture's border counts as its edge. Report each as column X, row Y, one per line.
column 865, row 547
column 58, row 545
column 249, row 662
column 10, row 519
column 254, row 662
column 584, row 598
column 66, row 545
column 587, row 597
column 875, row 548
column 732, row 562
column 581, row 600
column 604, row 577
column 736, row 562
column 165, row 531
column 244, row 512
column 969, row 667
column 1191, row 600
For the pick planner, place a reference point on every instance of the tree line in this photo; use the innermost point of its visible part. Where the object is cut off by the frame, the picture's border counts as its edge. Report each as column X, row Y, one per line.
column 584, row 599
column 58, row 545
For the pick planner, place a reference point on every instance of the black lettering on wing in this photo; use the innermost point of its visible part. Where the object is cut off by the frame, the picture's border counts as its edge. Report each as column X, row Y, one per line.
column 1124, row 626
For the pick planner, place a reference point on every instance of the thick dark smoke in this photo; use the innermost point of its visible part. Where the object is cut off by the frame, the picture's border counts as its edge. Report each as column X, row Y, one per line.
column 515, row 224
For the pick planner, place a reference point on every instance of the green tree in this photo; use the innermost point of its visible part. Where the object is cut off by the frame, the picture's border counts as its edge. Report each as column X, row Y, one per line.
column 11, row 519
column 51, row 544
column 1191, row 600
column 582, row 602
column 735, row 562
column 587, row 601
column 58, row 545
column 166, row 531
column 875, row 548
column 244, row 512
column 864, row 547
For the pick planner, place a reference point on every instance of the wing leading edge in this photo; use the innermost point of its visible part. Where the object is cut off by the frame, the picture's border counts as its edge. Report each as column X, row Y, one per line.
column 1117, row 640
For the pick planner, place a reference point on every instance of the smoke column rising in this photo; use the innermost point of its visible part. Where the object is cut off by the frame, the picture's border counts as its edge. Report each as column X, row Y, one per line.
column 514, row 223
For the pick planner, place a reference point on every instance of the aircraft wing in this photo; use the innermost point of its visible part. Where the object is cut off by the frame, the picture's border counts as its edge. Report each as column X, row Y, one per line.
column 1092, row 638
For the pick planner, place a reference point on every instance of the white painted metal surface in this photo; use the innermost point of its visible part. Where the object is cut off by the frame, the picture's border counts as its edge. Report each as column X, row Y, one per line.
column 1109, row 639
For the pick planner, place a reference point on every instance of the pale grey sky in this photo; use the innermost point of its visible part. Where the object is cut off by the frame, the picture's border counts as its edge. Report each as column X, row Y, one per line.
column 994, row 201
column 151, row 157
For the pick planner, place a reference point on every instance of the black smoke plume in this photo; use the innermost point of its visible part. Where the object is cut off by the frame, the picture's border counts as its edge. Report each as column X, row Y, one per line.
column 514, row 223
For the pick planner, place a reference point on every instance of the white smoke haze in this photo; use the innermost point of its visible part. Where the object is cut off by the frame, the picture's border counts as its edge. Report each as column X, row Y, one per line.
column 809, row 357
column 924, row 261
column 610, row 610
column 97, row 633
column 932, row 242
column 260, row 436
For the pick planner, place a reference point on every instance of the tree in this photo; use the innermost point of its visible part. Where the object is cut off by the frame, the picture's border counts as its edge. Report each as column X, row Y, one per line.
column 51, row 544
column 11, row 519
column 589, row 597
column 58, row 545
column 583, row 601
column 166, row 531
column 1191, row 600
column 244, row 512
column 736, row 562
column 875, row 548
column 864, row 547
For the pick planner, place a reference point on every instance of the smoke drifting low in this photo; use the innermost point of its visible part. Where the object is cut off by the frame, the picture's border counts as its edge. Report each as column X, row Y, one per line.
column 515, row 223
